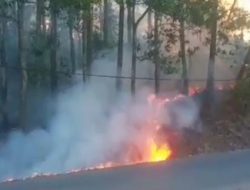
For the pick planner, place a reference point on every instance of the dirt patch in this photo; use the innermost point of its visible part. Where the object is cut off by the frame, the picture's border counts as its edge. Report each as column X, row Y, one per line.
column 227, row 135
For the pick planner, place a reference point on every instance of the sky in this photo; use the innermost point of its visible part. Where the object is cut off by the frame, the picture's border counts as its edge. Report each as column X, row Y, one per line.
column 244, row 4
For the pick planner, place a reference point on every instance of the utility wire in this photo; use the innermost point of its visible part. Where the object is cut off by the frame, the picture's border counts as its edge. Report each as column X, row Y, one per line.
column 109, row 76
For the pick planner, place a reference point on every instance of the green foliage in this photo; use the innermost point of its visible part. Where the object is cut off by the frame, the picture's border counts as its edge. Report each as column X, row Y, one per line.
column 6, row 3
column 168, row 38
column 240, row 19
column 197, row 12
column 168, row 66
column 168, row 7
column 5, row 6
column 77, row 4
column 200, row 12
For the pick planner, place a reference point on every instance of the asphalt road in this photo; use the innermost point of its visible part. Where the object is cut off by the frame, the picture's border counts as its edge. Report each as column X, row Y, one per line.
column 230, row 171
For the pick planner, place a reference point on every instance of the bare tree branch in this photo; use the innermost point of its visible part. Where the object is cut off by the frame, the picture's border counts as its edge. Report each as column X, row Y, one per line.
column 141, row 17
column 231, row 10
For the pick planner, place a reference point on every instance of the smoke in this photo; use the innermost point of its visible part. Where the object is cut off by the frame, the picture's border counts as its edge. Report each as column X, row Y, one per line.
column 92, row 125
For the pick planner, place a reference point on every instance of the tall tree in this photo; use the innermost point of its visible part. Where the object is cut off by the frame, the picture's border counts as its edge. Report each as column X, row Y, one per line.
column 89, row 31
column 22, row 62
column 120, row 45
column 106, row 22
column 156, row 52
column 84, row 39
column 71, row 38
column 40, row 16
column 212, row 55
column 133, row 68
column 129, row 21
column 135, row 24
column 183, row 50
column 3, row 64
column 150, row 21
column 54, row 44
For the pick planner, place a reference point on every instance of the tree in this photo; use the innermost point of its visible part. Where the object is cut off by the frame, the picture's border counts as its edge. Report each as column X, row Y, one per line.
column 239, row 19
column 85, row 9
column 89, row 40
column 150, row 21
column 22, row 62
column 134, row 43
column 84, row 39
column 133, row 68
column 182, row 40
column 212, row 55
column 40, row 16
column 71, row 37
column 156, row 52
column 120, row 45
column 177, row 11
column 106, row 25
column 3, row 64
column 54, row 43
column 129, row 21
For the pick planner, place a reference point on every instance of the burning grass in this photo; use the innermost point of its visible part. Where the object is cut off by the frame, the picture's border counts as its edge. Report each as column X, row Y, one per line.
column 152, row 147
column 156, row 134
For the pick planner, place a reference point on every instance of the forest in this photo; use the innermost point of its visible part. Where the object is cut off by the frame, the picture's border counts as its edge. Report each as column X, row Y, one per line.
column 196, row 48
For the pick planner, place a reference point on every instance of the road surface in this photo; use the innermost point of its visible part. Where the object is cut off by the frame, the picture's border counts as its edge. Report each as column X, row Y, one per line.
column 230, row 171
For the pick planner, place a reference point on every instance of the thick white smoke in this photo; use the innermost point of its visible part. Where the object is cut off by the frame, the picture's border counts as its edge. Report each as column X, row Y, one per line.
column 92, row 125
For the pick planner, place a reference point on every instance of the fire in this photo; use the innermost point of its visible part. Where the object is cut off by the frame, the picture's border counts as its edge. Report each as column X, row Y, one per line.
column 150, row 148
column 159, row 152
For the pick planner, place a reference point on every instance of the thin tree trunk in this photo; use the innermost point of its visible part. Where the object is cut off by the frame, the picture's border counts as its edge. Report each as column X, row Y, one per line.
column 40, row 28
column 209, row 98
column 79, row 49
column 4, row 84
column 120, row 47
column 39, row 16
column 72, row 42
column 211, row 64
column 156, row 52
column 150, row 21
column 84, row 39
column 106, row 23
column 231, row 10
column 89, row 52
column 22, row 62
column 134, row 42
column 43, row 12
column 183, row 58
column 53, row 51
column 129, row 22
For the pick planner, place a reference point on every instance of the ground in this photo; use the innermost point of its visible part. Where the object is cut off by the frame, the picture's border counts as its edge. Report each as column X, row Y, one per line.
column 228, row 129
column 229, row 171
column 227, row 135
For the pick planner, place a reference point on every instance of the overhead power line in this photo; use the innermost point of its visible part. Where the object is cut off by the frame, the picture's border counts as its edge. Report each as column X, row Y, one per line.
column 109, row 76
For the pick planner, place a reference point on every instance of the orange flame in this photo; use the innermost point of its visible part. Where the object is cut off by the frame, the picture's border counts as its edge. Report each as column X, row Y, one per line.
column 159, row 152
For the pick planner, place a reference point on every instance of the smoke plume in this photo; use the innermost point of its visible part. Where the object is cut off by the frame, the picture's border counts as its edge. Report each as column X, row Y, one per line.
column 92, row 125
